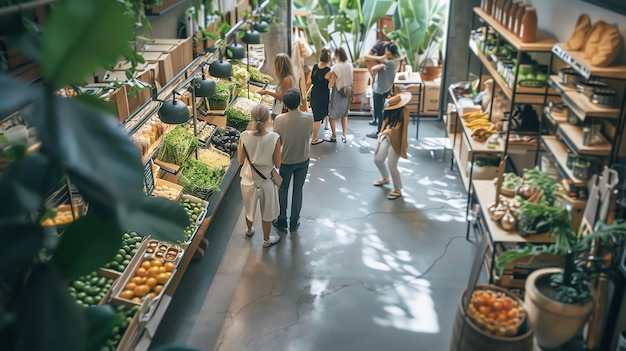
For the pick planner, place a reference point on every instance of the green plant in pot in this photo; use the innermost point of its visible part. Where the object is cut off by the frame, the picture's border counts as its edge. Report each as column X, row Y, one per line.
column 559, row 300
column 536, row 195
column 419, row 31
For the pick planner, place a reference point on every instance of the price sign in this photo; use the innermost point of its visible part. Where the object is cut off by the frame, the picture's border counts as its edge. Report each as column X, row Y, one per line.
column 148, row 177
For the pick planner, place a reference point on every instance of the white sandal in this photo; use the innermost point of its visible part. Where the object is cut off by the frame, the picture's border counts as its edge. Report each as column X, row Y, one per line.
column 394, row 195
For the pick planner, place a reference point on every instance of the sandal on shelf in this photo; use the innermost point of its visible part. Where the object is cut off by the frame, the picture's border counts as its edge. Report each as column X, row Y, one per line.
column 317, row 141
column 343, row 138
column 330, row 140
column 394, row 195
column 381, row 182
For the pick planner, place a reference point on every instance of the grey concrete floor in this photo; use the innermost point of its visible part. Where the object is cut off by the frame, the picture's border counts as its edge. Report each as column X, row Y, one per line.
column 361, row 273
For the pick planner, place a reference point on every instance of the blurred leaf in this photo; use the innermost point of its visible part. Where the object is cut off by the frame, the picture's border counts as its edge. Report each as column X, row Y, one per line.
column 98, row 155
column 22, row 184
column 15, row 95
column 100, row 322
column 98, row 103
column 29, row 44
column 160, row 218
column 81, row 36
column 21, row 242
column 86, row 245
column 48, row 318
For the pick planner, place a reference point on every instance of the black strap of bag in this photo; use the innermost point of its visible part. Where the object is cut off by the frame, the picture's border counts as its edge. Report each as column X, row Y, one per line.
column 252, row 164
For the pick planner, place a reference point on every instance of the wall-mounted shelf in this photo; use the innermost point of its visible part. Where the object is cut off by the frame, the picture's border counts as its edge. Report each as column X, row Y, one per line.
column 573, row 137
column 576, row 60
column 542, row 43
column 580, row 103
column 559, row 151
column 525, row 95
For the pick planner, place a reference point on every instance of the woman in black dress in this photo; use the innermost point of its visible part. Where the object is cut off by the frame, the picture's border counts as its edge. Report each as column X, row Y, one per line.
column 320, row 92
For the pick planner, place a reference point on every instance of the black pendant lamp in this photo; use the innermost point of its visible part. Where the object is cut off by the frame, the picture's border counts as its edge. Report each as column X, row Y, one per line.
column 235, row 51
column 220, row 68
column 174, row 111
column 261, row 26
column 204, row 87
column 251, row 37
column 266, row 17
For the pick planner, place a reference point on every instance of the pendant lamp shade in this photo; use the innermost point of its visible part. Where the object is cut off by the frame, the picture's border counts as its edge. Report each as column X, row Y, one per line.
column 174, row 112
column 266, row 17
column 221, row 69
column 205, row 87
column 251, row 37
column 235, row 51
column 261, row 27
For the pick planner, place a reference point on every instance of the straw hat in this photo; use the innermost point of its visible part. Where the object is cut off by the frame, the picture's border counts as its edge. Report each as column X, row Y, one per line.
column 398, row 101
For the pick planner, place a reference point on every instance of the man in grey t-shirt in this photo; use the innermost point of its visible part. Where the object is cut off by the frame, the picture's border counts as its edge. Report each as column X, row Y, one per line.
column 384, row 76
column 296, row 130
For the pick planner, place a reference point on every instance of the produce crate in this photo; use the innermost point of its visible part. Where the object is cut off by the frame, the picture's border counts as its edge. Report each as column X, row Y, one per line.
column 204, row 135
column 195, row 190
column 126, row 276
column 219, row 154
column 176, row 190
column 198, row 222
column 212, row 173
column 84, row 284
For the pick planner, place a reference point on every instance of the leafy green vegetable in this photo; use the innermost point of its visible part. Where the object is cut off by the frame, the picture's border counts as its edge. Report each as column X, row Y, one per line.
column 178, row 145
column 237, row 119
column 200, row 179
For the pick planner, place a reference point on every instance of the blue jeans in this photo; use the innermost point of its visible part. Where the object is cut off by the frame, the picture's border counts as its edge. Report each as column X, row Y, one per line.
column 379, row 105
column 298, row 171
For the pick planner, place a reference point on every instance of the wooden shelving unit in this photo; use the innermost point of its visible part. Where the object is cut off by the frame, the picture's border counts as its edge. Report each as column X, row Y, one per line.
column 576, row 60
column 559, row 151
column 543, row 42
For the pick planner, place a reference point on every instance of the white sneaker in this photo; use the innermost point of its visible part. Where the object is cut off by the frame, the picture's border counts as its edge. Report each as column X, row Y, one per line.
column 250, row 233
column 274, row 239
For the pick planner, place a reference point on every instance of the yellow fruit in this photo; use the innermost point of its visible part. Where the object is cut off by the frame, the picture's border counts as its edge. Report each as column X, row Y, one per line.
column 136, row 299
column 151, row 282
column 162, row 278
column 162, row 269
column 127, row 294
column 153, row 271
column 169, row 267
column 156, row 263
column 142, row 290
column 130, row 286
column 141, row 272
column 146, row 264
column 151, row 295
column 138, row 280
column 157, row 289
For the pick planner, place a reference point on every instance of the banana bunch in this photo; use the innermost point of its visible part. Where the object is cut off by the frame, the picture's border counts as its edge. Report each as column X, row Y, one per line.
column 483, row 133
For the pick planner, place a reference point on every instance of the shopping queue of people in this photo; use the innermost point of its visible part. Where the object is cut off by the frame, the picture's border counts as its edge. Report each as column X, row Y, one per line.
column 285, row 150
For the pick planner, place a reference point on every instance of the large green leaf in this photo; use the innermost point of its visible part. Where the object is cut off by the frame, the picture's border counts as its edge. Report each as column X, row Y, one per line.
column 15, row 95
column 98, row 103
column 99, row 157
column 48, row 318
column 100, row 322
column 20, row 242
column 411, row 22
column 23, row 183
column 81, row 36
column 86, row 245
column 157, row 217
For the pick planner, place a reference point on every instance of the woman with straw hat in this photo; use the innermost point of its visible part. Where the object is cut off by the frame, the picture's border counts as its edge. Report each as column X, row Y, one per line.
column 392, row 142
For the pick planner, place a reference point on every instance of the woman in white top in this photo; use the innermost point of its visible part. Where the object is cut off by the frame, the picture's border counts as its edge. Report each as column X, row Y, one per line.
column 283, row 71
column 262, row 148
column 340, row 76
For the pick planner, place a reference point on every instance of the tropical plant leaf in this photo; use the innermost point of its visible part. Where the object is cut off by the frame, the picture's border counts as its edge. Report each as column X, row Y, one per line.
column 160, row 218
column 23, row 182
column 99, row 33
column 86, row 245
column 410, row 22
column 100, row 322
column 21, row 241
column 15, row 95
column 96, row 102
column 99, row 157
column 47, row 316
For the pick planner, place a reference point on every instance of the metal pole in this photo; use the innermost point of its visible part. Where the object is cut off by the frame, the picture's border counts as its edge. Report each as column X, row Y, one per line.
column 195, row 112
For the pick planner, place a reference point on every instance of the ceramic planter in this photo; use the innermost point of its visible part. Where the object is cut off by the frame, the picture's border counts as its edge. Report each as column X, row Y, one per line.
column 554, row 322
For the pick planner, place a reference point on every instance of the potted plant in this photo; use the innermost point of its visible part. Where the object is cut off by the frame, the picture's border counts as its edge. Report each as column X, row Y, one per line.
column 419, row 32
column 559, row 300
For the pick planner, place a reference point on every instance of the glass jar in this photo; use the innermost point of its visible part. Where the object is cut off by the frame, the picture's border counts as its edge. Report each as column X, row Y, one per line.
column 528, row 25
column 521, row 8
column 504, row 14
column 510, row 20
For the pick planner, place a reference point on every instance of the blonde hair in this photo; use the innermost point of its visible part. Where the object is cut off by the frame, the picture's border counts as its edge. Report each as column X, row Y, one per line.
column 258, row 116
column 283, row 67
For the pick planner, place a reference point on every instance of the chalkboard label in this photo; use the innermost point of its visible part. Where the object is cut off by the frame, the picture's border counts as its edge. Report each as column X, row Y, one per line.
column 148, row 177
